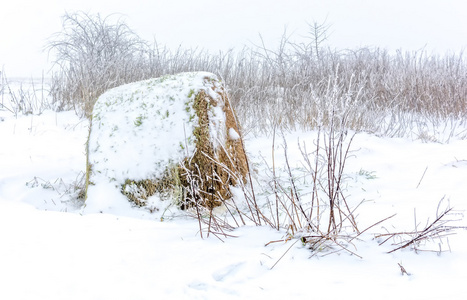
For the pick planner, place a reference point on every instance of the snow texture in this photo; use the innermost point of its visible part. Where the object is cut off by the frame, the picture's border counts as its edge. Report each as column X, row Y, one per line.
column 51, row 250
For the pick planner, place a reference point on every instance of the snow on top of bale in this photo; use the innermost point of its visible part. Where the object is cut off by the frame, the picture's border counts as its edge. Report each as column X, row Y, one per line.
column 139, row 128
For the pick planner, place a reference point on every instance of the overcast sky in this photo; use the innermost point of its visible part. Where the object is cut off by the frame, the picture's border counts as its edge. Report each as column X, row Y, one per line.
column 438, row 26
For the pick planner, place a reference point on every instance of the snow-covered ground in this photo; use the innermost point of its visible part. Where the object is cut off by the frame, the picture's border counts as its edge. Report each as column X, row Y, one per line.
column 51, row 249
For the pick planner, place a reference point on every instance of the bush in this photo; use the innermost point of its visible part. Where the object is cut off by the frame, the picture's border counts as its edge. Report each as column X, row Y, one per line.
column 93, row 56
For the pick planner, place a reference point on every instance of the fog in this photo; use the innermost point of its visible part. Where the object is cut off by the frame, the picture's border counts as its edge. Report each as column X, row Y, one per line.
column 435, row 26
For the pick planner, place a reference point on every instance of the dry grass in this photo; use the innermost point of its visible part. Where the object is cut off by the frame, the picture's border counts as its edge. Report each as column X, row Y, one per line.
column 21, row 97
column 290, row 87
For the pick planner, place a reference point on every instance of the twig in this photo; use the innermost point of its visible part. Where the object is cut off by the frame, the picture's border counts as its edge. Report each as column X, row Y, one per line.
column 426, row 233
column 379, row 222
column 343, row 248
column 274, row 176
column 284, row 254
column 422, row 177
column 403, row 271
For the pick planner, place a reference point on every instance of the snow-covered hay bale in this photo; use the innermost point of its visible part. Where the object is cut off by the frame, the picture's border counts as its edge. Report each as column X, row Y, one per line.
column 174, row 136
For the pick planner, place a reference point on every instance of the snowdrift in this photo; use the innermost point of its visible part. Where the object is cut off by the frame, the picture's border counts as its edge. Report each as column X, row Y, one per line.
column 175, row 136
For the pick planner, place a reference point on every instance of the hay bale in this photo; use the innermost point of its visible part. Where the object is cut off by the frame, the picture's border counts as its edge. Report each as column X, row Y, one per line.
column 174, row 135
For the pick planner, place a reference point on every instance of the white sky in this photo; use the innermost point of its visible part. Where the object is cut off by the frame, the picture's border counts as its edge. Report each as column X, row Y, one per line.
column 439, row 26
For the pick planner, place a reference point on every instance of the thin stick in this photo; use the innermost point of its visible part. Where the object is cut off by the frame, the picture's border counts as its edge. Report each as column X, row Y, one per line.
column 422, row 177
column 274, row 176
column 379, row 222
column 284, row 254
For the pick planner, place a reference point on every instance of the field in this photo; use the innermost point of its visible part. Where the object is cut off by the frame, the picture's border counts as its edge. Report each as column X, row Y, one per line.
column 358, row 162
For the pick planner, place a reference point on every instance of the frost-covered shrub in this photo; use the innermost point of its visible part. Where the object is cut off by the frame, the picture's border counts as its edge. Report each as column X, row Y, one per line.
column 92, row 55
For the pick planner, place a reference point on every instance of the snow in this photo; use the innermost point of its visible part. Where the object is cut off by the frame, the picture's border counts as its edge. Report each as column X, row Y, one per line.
column 233, row 135
column 51, row 249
